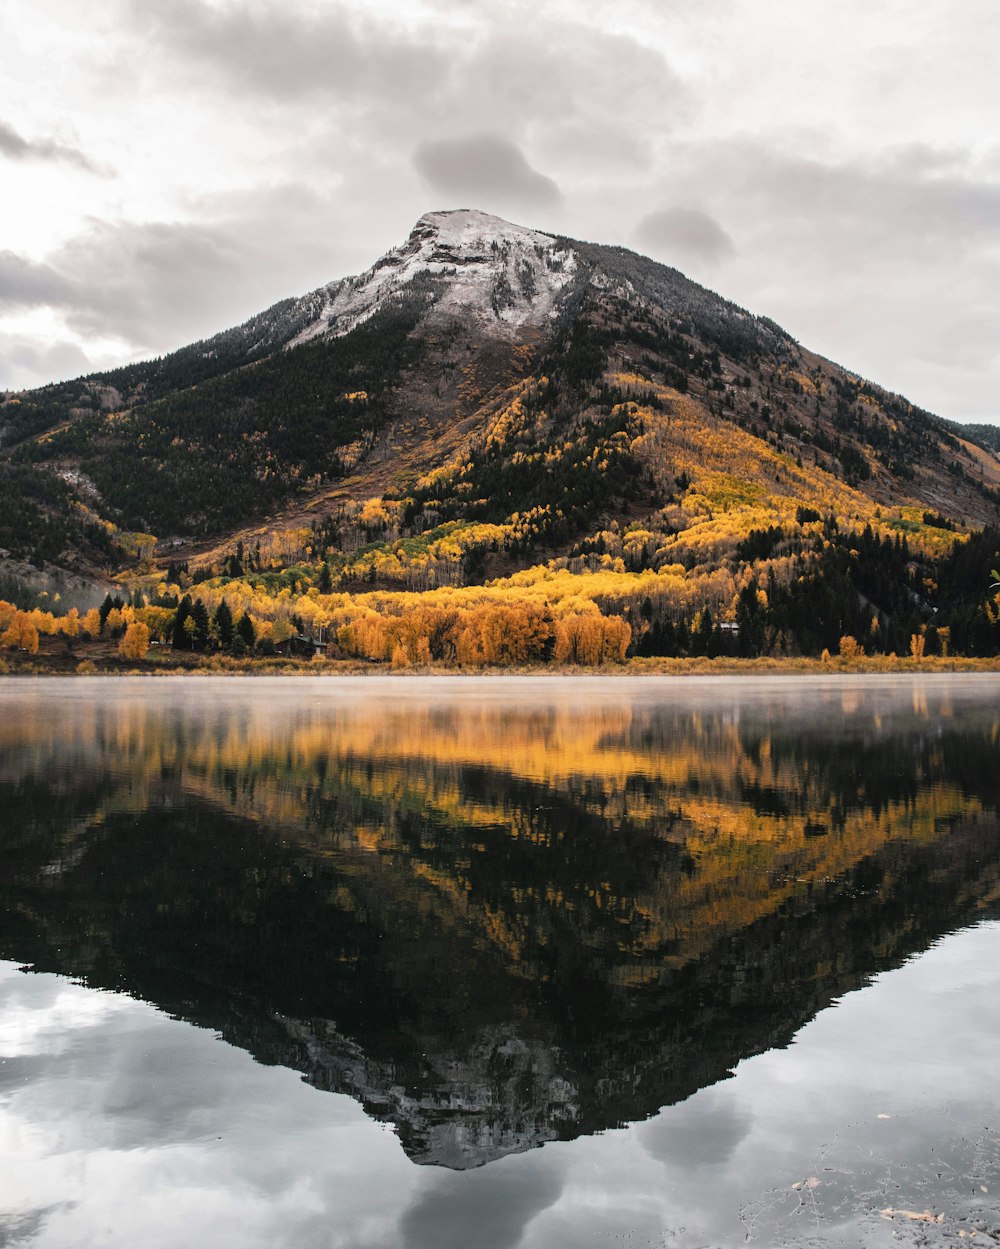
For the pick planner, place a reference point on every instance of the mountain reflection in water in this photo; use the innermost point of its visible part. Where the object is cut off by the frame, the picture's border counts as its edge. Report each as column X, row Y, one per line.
column 496, row 913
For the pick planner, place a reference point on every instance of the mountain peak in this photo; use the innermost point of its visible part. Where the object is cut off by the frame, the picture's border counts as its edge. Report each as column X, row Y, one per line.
column 505, row 276
column 466, row 227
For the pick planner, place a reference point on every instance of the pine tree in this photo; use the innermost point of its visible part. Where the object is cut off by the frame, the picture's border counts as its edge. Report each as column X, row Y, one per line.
column 223, row 620
column 246, row 632
column 180, row 639
column 199, row 614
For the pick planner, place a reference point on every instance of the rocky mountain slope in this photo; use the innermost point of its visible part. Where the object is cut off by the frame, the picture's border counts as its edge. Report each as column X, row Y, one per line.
column 434, row 334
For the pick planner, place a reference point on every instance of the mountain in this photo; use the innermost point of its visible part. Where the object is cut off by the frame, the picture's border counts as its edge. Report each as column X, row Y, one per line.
column 484, row 400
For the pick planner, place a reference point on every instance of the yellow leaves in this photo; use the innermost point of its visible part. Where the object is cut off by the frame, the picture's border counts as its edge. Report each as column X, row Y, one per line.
column 850, row 649
column 494, row 633
column 158, row 620
column 592, row 640
column 508, row 422
column 20, row 634
column 374, row 512
column 725, row 491
column 807, row 383
column 135, row 641
column 630, row 379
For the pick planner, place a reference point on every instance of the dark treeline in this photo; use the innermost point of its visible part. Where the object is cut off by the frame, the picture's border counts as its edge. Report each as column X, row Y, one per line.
column 859, row 586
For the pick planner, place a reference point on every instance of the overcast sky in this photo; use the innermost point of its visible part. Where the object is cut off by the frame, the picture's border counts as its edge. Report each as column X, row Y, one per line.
column 170, row 167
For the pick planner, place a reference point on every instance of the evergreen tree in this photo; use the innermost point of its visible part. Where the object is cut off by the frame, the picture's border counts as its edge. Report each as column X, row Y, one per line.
column 246, row 632
column 223, row 620
column 180, row 639
column 199, row 614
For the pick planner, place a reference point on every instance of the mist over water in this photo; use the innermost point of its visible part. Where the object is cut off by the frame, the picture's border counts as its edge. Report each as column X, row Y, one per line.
column 518, row 932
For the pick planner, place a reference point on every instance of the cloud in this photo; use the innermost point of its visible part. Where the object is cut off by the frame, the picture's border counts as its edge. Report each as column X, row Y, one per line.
column 27, row 361
column 685, row 232
column 483, row 169
column 267, row 48
column 491, row 1206
column 884, row 261
column 25, row 283
column 15, row 147
column 162, row 284
column 901, row 199
column 399, row 83
column 702, row 1132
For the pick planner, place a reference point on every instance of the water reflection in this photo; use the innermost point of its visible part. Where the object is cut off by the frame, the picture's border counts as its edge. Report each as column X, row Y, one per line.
column 497, row 914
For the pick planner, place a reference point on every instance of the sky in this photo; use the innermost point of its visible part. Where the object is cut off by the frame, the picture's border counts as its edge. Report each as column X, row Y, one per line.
column 171, row 167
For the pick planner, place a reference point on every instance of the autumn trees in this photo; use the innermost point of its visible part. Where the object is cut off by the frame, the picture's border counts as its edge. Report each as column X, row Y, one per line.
column 135, row 641
column 502, row 635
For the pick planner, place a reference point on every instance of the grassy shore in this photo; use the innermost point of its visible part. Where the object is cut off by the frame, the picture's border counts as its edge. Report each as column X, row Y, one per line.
column 102, row 659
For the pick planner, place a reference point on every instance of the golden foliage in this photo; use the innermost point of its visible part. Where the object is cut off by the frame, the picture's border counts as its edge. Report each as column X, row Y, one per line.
column 850, row 649
column 135, row 641
column 21, row 634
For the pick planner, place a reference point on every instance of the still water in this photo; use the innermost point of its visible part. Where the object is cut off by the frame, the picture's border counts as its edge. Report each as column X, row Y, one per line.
column 484, row 964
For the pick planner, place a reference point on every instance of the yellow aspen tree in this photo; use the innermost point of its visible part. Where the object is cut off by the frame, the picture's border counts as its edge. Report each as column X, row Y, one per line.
column 21, row 634
column 617, row 636
column 135, row 641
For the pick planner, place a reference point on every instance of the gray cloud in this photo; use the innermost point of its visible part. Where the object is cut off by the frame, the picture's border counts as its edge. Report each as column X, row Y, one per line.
column 27, row 362
column 683, row 232
column 269, row 49
column 870, row 229
column 25, row 283
column 704, row 1131
column 844, row 252
column 161, row 284
column 593, row 149
column 168, row 283
column 902, row 199
column 491, row 1206
column 402, row 83
column 15, row 147
column 484, row 170
column 566, row 74
column 23, row 1226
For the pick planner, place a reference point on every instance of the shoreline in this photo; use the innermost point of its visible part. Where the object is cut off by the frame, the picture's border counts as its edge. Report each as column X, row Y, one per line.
column 42, row 666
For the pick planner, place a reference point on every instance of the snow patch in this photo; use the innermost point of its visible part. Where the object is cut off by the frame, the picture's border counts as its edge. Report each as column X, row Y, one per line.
column 504, row 275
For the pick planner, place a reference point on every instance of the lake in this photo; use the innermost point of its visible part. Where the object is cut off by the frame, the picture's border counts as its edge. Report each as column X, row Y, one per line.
column 463, row 963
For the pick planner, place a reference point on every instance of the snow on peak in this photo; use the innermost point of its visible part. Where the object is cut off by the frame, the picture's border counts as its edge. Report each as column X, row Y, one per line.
column 503, row 275
column 467, row 228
